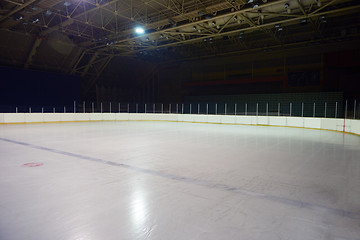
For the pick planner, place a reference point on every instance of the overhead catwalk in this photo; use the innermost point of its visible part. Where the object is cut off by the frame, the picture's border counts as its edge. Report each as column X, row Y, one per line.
column 167, row 180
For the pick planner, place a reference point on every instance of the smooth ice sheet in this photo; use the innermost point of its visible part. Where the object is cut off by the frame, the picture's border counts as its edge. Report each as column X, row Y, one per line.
column 163, row 180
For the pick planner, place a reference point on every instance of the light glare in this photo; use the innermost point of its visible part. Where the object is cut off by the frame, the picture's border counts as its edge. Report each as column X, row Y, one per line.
column 139, row 30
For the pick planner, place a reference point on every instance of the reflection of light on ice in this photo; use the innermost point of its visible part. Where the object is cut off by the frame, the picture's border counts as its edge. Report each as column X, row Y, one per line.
column 138, row 209
column 193, row 181
column 79, row 236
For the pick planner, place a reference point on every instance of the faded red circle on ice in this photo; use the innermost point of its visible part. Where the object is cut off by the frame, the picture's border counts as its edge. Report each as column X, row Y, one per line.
column 33, row 164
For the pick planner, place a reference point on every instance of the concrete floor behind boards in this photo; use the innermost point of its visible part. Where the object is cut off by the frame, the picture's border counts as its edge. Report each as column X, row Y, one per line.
column 177, row 181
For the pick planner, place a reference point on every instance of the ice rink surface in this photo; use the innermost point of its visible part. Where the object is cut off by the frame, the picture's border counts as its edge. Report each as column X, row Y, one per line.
column 177, row 181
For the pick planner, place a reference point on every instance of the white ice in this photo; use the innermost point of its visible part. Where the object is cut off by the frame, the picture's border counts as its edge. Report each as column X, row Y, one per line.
column 177, row 181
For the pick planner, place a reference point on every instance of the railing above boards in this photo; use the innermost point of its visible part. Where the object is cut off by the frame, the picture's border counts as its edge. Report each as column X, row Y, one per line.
column 347, row 109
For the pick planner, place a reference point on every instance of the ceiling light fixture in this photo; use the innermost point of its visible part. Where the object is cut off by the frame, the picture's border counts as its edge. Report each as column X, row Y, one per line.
column 48, row 13
column 322, row 19
column 287, row 7
column 303, row 21
column 139, row 30
column 278, row 27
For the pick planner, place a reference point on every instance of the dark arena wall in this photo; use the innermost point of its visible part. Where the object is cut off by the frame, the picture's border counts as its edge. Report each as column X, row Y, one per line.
column 36, row 89
column 316, row 69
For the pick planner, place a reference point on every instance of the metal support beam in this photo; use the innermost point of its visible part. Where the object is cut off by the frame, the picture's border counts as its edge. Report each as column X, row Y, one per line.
column 17, row 9
column 73, row 70
column 321, row 8
column 33, row 51
column 162, row 23
column 99, row 71
column 93, row 58
column 311, row 21
column 13, row 2
column 254, row 27
column 71, row 20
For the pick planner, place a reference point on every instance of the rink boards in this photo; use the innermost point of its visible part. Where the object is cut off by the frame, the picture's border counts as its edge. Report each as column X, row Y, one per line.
column 347, row 125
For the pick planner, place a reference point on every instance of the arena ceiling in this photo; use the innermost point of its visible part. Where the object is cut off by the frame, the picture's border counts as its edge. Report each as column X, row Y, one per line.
column 82, row 36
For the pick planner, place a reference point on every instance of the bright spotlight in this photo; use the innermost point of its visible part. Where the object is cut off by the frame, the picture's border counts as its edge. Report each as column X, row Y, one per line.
column 139, row 30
